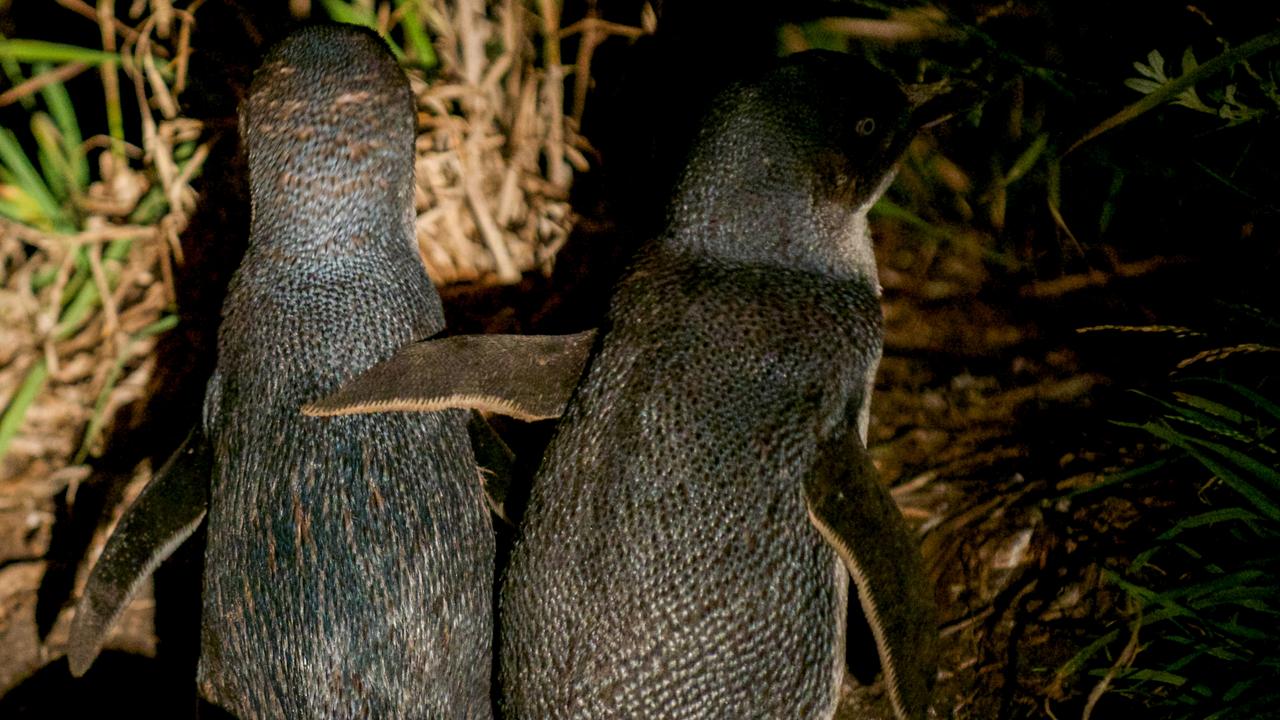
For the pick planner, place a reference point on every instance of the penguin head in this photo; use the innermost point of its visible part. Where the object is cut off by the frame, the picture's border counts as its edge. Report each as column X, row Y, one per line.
column 787, row 164
column 328, row 128
column 838, row 123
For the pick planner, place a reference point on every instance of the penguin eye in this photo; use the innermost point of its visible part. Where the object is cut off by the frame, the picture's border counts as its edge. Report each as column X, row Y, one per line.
column 865, row 126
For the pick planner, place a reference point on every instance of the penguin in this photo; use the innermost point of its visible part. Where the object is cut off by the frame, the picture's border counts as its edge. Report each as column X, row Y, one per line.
column 690, row 535
column 349, row 560
column 692, row 532
column 349, row 566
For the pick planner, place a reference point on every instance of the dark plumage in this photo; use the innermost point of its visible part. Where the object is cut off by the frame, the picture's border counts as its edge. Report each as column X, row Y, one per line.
column 349, row 567
column 350, row 560
column 667, row 566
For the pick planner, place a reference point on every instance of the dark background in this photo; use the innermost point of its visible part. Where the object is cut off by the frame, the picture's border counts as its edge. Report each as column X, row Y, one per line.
column 987, row 387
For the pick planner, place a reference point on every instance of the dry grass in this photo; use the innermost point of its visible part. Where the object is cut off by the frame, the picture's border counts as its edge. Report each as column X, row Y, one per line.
column 87, row 287
column 83, row 305
column 496, row 156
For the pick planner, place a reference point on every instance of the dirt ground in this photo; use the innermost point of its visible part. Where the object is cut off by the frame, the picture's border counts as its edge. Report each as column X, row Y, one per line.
column 983, row 421
column 990, row 415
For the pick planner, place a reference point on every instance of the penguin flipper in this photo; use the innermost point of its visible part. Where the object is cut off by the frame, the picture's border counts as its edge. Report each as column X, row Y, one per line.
column 528, row 377
column 857, row 517
column 168, row 511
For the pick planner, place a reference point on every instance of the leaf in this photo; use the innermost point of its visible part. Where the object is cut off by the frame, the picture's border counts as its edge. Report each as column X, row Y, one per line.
column 1156, row 61
column 1238, row 689
column 886, row 208
column 1146, row 87
column 1151, row 70
column 1189, row 62
column 1053, row 198
column 1173, row 88
column 1189, row 99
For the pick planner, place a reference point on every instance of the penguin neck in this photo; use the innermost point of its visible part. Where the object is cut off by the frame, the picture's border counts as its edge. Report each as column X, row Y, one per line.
column 751, row 193
column 322, row 226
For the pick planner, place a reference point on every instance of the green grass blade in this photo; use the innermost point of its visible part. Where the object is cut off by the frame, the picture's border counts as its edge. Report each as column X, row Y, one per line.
column 1211, row 517
column 1026, row 160
column 13, row 72
column 348, row 13
column 17, row 205
column 115, row 116
column 351, row 14
column 1158, row 676
column 1226, row 412
column 1238, row 689
column 98, row 419
column 1188, row 412
column 11, row 421
column 1242, row 460
column 159, row 327
column 1121, row 477
column 79, row 277
column 1262, row 402
column 1073, row 666
column 43, row 278
column 86, row 298
column 29, row 180
column 1234, row 481
column 55, row 168
column 33, row 51
column 150, row 207
column 889, row 210
column 415, row 36
column 64, row 115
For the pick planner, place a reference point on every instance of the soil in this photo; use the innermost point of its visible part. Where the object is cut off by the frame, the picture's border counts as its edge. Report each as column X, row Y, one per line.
column 990, row 416
column 984, row 420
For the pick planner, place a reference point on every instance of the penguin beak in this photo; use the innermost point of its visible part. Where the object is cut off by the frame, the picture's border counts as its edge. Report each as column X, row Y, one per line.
column 935, row 103
column 929, row 105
